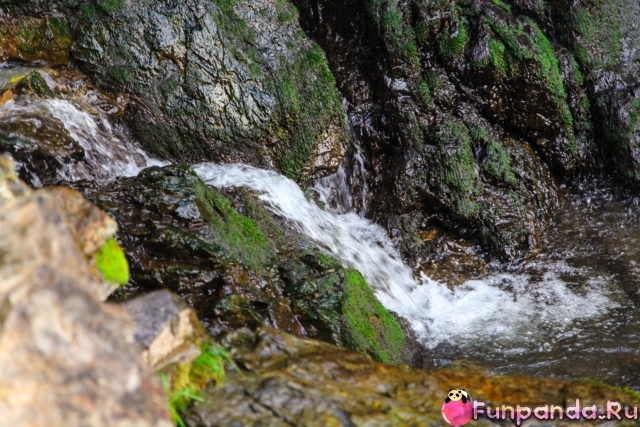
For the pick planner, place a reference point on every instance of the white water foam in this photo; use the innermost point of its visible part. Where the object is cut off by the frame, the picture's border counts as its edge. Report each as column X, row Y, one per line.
column 107, row 154
column 516, row 307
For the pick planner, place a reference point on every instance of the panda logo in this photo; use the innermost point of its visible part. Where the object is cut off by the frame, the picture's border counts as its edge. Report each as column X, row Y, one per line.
column 457, row 408
column 457, row 394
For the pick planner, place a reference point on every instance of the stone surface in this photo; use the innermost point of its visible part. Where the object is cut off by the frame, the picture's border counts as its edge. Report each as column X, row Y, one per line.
column 66, row 358
column 166, row 327
column 237, row 265
column 292, row 381
column 29, row 39
column 213, row 80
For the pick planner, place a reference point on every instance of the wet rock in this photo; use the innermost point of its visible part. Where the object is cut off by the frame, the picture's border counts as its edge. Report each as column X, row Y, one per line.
column 40, row 40
column 66, row 358
column 442, row 126
column 604, row 38
column 291, row 381
column 166, row 327
column 238, row 265
column 57, row 127
column 213, row 80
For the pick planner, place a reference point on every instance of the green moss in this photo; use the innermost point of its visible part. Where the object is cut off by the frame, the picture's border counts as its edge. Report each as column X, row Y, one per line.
column 497, row 163
column 452, row 47
column 28, row 39
column 121, row 74
column 497, row 49
column 599, row 33
column 369, row 327
column 424, row 93
column 58, row 28
column 36, row 83
column 503, row 5
column 515, row 48
column 232, row 24
column 457, row 174
column 255, row 210
column 89, row 11
column 111, row 5
column 189, row 379
column 308, row 103
column 286, row 11
column 237, row 234
column 112, row 262
column 399, row 38
column 549, row 66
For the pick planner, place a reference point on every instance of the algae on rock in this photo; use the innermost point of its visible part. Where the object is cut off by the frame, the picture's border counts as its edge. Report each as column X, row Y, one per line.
column 240, row 266
column 221, row 80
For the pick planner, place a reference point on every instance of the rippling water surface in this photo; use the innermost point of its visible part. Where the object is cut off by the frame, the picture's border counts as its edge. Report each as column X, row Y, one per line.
column 594, row 249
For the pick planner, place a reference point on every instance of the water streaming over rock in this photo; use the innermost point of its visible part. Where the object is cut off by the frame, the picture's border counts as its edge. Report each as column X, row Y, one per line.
column 85, row 143
column 538, row 317
column 508, row 306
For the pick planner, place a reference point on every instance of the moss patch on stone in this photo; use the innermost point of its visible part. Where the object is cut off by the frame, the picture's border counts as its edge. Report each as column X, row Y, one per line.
column 112, row 262
column 308, row 103
column 369, row 327
column 457, row 174
column 111, row 5
column 239, row 235
column 189, row 379
column 452, row 47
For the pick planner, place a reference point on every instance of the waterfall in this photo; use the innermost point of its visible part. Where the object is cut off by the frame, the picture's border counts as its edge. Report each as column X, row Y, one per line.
column 107, row 153
column 337, row 190
column 502, row 306
column 504, row 319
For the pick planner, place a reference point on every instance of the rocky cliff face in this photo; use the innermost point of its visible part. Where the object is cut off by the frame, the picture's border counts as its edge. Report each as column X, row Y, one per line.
column 468, row 114
column 463, row 109
column 213, row 80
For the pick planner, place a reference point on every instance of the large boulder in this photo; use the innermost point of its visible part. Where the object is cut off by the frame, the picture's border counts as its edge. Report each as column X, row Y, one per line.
column 66, row 358
column 239, row 265
column 291, row 381
column 212, row 80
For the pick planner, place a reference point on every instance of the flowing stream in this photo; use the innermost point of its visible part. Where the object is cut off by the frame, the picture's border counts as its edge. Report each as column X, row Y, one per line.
column 570, row 311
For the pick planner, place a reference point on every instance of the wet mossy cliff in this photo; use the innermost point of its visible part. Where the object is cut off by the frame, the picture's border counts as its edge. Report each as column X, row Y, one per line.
column 467, row 114
column 218, row 80
column 470, row 113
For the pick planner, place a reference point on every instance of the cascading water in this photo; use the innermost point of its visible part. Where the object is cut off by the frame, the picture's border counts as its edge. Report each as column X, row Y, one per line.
column 505, row 306
column 561, row 313
column 104, row 152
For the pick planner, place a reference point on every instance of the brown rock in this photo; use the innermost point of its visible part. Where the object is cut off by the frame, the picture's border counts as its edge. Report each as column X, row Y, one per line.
column 288, row 380
column 66, row 359
column 35, row 40
column 166, row 327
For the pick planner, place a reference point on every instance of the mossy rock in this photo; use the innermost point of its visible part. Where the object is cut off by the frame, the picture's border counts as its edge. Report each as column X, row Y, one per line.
column 236, row 233
column 112, row 262
column 369, row 327
column 309, row 104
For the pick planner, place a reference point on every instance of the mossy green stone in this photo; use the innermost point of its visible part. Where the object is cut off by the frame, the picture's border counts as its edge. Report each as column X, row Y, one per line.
column 239, row 235
column 112, row 262
column 111, row 5
column 370, row 328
